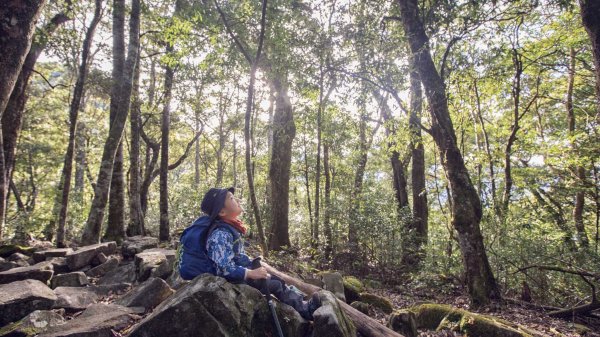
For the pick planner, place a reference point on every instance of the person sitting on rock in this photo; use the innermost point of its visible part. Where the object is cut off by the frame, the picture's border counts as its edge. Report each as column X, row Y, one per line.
column 214, row 244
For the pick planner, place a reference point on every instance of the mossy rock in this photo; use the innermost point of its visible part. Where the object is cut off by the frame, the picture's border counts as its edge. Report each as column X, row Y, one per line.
column 372, row 284
column 581, row 329
column 361, row 306
column 8, row 250
column 441, row 317
column 377, row 301
column 352, row 288
column 404, row 322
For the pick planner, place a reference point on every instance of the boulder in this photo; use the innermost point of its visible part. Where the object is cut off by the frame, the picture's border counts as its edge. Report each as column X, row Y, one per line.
column 50, row 253
column 403, row 321
column 17, row 299
column 332, row 281
column 84, row 255
column 352, row 288
column 75, row 279
column 7, row 265
column 148, row 294
column 59, row 265
column 361, row 306
column 98, row 320
column 33, row 324
column 378, row 302
column 41, row 272
column 137, row 244
column 152, row 264
column 104, row 268
column 8, row 250
column 74, row 298
column 99, row 259
column 330, row 320
column 21, row 259
column 211, row 306
column 444, row 317
column 125, row 273
column 104, row 290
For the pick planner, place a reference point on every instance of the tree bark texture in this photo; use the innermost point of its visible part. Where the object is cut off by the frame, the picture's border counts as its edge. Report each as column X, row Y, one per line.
column 284, row 132
column 326, row 211
column 136, row 224
column 590, row 16
column 164, row 151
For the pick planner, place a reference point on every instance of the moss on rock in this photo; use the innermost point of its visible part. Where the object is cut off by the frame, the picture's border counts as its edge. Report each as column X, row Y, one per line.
column 8, row 250
column 352, row 288
column 377, row 301
column 441, row 317
column 361, row 306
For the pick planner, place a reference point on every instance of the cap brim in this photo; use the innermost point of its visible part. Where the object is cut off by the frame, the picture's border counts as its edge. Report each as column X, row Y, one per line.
column 232, row 190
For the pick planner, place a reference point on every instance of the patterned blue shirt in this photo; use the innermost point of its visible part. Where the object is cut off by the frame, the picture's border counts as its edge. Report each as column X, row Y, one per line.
column 227, row 254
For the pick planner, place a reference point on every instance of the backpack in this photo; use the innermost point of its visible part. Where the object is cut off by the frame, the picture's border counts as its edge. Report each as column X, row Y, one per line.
column 193, row 259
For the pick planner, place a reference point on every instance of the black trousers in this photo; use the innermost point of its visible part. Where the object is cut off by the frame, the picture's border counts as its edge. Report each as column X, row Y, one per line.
column 277, row 288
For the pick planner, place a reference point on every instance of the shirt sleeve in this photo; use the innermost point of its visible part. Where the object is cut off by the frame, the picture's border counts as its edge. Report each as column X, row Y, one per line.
column 243, row 260
column 220, row 251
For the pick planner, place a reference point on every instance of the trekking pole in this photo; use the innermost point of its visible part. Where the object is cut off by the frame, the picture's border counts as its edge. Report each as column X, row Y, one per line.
column 265, row 284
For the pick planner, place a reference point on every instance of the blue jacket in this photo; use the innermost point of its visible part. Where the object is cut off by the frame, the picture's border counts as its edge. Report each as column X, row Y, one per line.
column 222, row 253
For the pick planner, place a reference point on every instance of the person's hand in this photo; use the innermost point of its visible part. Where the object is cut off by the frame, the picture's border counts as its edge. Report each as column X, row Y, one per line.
column 257, row 274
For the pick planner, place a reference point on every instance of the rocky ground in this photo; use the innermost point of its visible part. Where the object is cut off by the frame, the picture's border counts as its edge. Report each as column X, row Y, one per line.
column 130, row 290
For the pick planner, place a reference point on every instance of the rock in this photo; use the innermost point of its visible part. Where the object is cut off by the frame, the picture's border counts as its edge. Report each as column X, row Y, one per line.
column 7, row 265
column 441, row 317
column 84, row 255
column 361, row 306
column 225, row 310
column 148, row 294
column 8, row 250
column 403, row 321
column 104, row 268
column 330, row 320
column 74, row 298
column 315, row 282
column 352, row 288
column 50, row 253
column 378, row 302
column 33, row 324
column 123, row 274
column 137, row 244
column 99, row 259
column 75, row 279
column 15, row 257
column 152, row 264
column 41, row 272
column 332, row 281
column 104, row 290
column 59, row 265
column 22, row 297
column 98, row 320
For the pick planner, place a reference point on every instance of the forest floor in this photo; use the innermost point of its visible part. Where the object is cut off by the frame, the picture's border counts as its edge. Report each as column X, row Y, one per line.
column 414, row 292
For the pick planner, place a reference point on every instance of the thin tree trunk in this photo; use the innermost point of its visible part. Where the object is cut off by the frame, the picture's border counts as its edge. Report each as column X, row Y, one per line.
column 221, row 146
column 91, row 233
column 307, row 185
column 15, row 43
column 582, row 237
column 466, row 205
column 136, row 224
column 284, row 132
column 254, row 66
column 73, row 116
column 327, row 202
column 488, row 150
column 164, row 150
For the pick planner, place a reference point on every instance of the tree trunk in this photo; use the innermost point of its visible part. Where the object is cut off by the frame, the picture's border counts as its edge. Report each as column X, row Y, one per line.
column 414, row 250
column 116, row 201
column 73, row 115
column 582, row 237
column 221, row 146
column 327, row 201
column 488, row 150
column 91, row 233
column 590, row 16
column 16, row 32
column 284, row 132
column 164, row 151
column 136, row 224
column 466, row 205
column 356, row 191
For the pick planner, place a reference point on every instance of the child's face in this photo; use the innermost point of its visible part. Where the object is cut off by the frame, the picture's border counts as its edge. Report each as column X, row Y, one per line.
column 232, row 208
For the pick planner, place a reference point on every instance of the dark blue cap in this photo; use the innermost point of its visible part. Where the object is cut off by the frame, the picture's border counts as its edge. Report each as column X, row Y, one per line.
column 214, row 201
